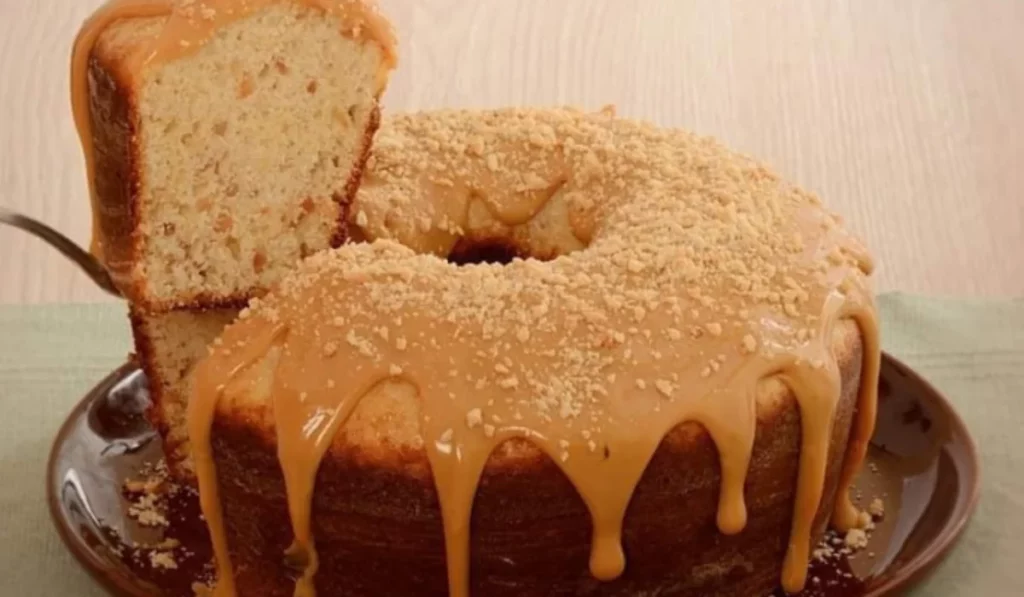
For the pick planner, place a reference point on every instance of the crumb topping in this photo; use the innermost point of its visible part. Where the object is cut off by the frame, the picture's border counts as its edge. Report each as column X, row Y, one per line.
column 681, row 235
column 680, row 275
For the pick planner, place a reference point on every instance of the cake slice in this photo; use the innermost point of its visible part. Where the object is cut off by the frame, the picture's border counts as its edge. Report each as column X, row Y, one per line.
column 224, row 138
column 167, row 346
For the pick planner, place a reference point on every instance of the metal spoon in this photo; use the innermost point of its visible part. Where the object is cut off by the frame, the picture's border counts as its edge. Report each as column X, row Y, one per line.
column 85, row 260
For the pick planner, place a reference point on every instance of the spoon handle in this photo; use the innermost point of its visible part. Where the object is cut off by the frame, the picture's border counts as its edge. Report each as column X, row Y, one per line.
column 85, row 260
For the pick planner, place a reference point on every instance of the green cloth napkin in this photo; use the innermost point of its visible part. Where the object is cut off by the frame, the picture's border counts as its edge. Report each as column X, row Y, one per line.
column 50, row 356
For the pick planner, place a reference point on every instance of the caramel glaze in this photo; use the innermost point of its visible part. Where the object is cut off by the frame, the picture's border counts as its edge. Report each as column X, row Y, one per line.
column 593, row 357
column 187, row 26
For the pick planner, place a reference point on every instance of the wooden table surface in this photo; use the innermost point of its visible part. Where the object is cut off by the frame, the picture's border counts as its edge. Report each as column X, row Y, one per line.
column 906, row 117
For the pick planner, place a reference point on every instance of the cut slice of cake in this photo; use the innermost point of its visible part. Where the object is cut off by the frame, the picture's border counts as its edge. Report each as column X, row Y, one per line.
column 223, row 138
column 168, row 345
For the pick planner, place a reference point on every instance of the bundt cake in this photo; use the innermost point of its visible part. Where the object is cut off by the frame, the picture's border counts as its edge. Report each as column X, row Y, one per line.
column 223, row 138
column 664, row 386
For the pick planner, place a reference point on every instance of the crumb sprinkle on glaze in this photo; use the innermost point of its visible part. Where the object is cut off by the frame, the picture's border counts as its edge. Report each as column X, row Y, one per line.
column 668, row 277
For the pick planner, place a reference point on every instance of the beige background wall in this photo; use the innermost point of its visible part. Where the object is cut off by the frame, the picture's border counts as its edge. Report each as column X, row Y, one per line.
column 905, row 116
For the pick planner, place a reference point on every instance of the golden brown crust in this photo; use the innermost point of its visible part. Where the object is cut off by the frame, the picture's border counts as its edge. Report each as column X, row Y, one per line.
column 530, row 530
column 341, row 234
column 112, row 104
column 146, row 358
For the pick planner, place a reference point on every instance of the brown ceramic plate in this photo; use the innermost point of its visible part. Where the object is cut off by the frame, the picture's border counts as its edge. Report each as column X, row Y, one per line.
column 922, row 460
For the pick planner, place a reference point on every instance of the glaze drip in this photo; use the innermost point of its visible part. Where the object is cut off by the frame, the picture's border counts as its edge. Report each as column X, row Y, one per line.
column 704, row 276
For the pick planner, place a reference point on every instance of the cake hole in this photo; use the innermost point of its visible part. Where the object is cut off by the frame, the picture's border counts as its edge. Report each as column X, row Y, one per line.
column 311, row 87
column 471, row 252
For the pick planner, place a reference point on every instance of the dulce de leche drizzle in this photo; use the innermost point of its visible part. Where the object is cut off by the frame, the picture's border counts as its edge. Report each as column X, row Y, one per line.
column 186, row 27
column 703, row 274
